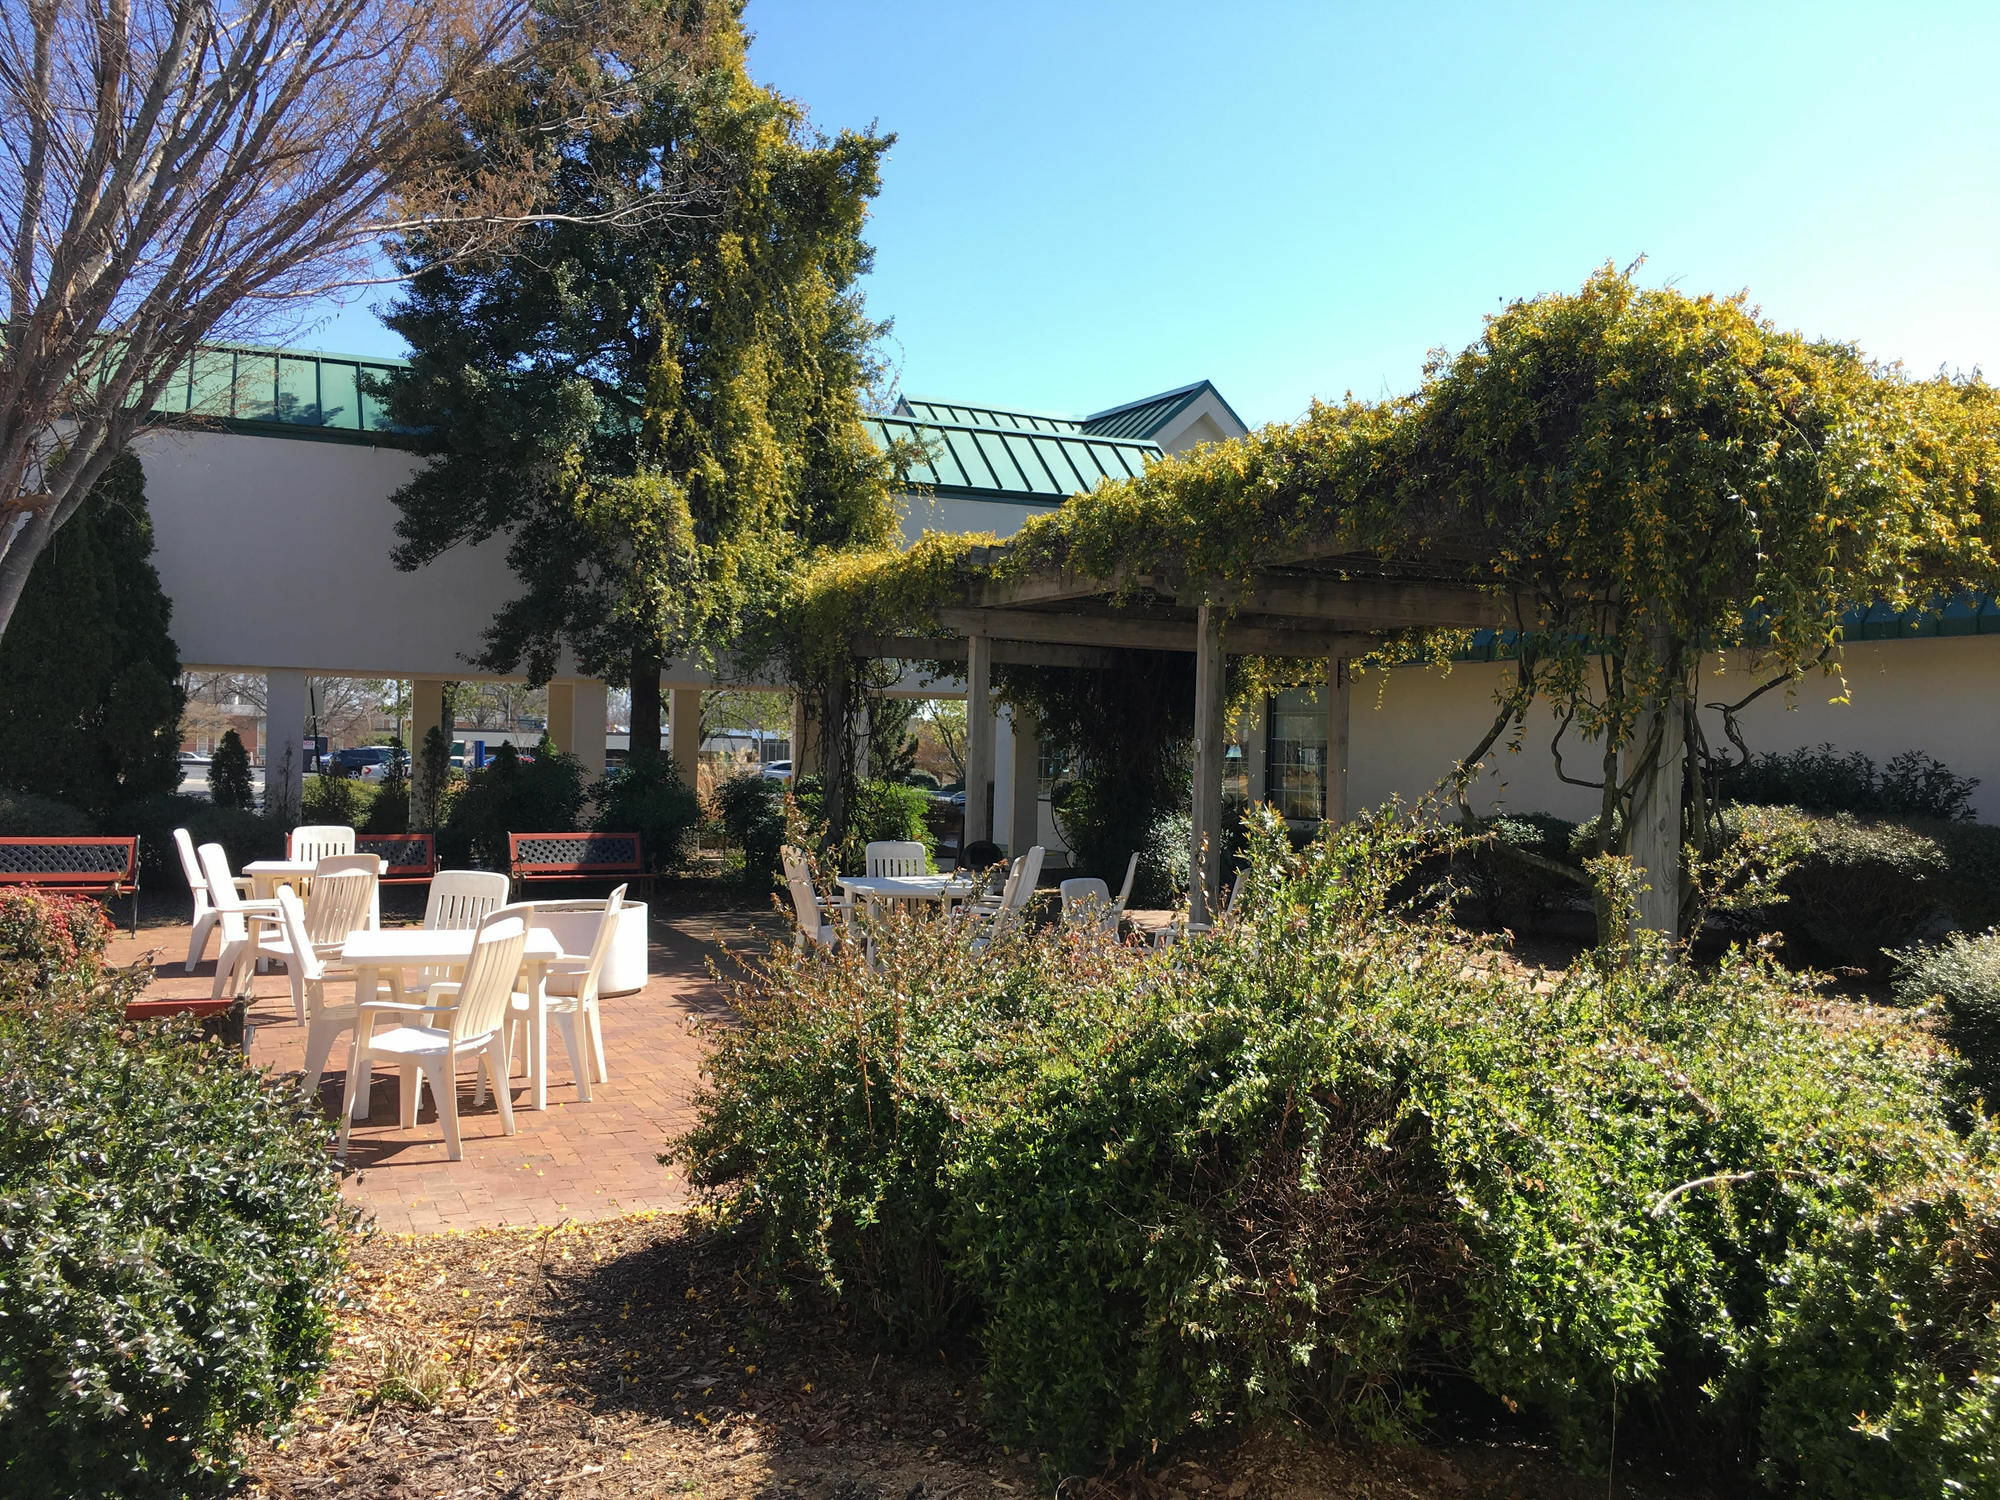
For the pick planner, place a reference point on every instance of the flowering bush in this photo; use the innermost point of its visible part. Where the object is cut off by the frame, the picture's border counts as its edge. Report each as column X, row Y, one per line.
column 1300, row 1167
column 49, row 944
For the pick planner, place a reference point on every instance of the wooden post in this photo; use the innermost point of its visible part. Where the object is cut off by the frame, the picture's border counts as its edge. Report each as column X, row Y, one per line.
column 1210, row 747
column 562, row 716
column 1026, row 819
column 805, row 739
column 1336, row 740
column 684, row 734
column 979, row 732
column 1653, row 837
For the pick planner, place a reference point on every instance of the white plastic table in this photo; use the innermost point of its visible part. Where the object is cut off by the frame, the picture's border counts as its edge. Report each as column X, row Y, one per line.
column 874, row 888
column 368, row 953
column 266, row 875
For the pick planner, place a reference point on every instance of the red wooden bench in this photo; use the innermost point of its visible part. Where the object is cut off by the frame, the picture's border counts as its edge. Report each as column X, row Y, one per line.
column 572, row 856
column 225, row 1019
column 74, row 866
column 409, row 858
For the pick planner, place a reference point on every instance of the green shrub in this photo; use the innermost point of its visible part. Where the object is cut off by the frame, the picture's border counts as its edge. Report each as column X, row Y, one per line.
column 889, row 811
column 752, row 810
column 649, row 798
column 171, row 1242
column 25, row 815
column 1512, row 872
column 229, row 774
column 48, row 944
column 1821, row 779
column 390, row 811
column 1961, row 976
column 1285, row 1172
column 336, row 796
column 1097, row 816
column 244, row 833
column 511, row 795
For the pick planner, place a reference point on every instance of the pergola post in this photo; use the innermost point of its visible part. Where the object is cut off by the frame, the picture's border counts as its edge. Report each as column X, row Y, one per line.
column 426, row 714
column 1210, row 747
column 1336, row 739
column 805, row 739
column 1026, row 817
column 1653, row 834
column 284, row 734
column 684, row 733
column 979, row 736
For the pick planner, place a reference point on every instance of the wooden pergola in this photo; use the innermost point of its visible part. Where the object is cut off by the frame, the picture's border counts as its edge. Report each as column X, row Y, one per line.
column 1329, row 608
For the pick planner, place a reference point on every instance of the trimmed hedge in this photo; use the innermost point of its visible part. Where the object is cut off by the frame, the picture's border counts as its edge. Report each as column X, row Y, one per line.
column 23, row 815
column 1961, row 976
column 1299, row 1168
column 245, row 834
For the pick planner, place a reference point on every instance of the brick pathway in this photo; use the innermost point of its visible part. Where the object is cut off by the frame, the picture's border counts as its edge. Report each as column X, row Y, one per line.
column 571, row 1161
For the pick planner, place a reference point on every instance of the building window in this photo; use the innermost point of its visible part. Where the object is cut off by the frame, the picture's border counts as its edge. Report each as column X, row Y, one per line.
column 1296, row 768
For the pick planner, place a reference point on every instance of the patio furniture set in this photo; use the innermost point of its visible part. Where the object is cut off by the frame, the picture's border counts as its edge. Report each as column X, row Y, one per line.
column 477, row 983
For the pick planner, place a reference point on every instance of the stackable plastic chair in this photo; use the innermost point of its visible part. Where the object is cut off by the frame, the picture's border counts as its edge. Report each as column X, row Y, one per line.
column 340, row 903
column 233, row 960
column 459, row 901
column 206, row 916
column 895, row 857
column 811, row 909
column 1086, row 900
column 467, row 1018
column 571, row 990
column 313, row 842
column 988, row 922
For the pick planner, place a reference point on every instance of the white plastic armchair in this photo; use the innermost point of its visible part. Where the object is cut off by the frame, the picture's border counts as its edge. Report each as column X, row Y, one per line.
column 324, row 1019
column 812, row 911
column 989, row 922
column 233, row 960
column 889, row 857
column 205, row 915
column 339, row 904
column 1086, row 903
column 459, row 901
column 468, row 1019
column 571, row 988
column 315, row 841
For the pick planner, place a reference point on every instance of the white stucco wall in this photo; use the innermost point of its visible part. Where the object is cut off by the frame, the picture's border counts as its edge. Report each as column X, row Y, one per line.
column 275, row 552
column 1940, row 696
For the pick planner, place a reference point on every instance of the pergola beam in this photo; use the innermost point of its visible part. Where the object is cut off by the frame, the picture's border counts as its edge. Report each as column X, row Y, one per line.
column 1108, row 631
column 1374, row 603
column 1005, row 652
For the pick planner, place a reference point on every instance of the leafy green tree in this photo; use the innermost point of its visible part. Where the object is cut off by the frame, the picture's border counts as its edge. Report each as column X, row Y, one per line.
column 229, row 774
column 660, row 420
column 88, row 672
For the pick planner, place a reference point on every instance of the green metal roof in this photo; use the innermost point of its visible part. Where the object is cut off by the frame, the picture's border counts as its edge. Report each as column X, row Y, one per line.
column 283, row 393
column 993, row 464
column 1145, row 417
column 959, row 414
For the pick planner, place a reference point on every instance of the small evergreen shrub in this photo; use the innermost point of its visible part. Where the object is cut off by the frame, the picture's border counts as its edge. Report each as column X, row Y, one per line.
column 1961, row 976
column 336, row 796
column 752, row 810
column 49, row 943
column 390, row 811
column 890, row 811
column 26, row 815
column 1821, row 779
column 171, row 1245
column 648, row 797
column 229, row 774
column 510, row 795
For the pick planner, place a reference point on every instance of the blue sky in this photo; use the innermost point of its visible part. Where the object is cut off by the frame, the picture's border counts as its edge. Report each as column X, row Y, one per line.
column 1091, row 202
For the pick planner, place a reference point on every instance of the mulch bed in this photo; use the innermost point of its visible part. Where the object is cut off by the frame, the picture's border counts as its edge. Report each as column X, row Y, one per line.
column 640, row 1356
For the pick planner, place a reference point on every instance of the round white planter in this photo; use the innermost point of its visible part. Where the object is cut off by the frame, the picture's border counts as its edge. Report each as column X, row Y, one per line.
column 625, row 969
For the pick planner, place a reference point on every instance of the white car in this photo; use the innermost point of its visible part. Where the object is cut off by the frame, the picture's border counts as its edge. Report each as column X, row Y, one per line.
column 778, row 770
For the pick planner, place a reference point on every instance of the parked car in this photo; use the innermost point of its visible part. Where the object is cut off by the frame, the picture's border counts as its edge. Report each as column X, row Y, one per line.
column 191, row 761
column 777, row 770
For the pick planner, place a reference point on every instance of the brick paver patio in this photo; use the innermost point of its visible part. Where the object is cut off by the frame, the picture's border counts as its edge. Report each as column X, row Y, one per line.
column 572, row 1161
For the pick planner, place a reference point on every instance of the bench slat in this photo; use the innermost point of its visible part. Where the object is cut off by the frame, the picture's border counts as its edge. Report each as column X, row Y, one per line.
column 573, row 856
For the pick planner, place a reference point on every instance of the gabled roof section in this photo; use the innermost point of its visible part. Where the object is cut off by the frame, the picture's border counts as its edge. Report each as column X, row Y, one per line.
column 988, row 463
column 959, row 414
column 1144, row 418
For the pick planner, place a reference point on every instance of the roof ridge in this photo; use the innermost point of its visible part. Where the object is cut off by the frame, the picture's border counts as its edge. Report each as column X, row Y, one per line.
column 906, row 399
column 1179, row 390
column 1078, row 436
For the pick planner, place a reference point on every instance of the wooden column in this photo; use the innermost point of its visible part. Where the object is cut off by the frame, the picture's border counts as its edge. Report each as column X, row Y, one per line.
column 587, row 725
column 562, row 716
column 1337, row 806
column 805, row 739
column 1653, row 839
column 1026, row 816
column 684, row 733
column 1210, row 748
column 1257, row 754
column 978, row 739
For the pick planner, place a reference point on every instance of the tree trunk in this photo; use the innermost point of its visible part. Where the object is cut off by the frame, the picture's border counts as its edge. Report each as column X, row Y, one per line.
column 645, row 725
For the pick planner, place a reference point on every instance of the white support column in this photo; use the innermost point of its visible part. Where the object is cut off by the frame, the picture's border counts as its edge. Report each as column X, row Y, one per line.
column 1003, row 776
column 1210, row 747
column 979, row 746
column 587, row 725
column 1024, row 804
column 426, row 714
column 684, row 733
column 284, row 733
column 562, row 716
column 1337, row 808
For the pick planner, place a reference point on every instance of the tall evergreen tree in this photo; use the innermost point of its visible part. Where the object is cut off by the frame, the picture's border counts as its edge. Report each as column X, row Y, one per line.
column 89, row 676
column 662, row 421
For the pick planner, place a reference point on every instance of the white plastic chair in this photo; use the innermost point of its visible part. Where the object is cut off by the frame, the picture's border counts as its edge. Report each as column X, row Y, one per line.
column 233, row 960
column 313, row 842
column 469, row 1020
column 205, row 914
column 1182, row 927
column 890, row 857
column 811, row 909
column 990, row 922
column 1087, row 900
column 324, row 1021
column 459, row 901
column 571, row 990
column 339, row 904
